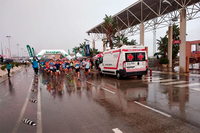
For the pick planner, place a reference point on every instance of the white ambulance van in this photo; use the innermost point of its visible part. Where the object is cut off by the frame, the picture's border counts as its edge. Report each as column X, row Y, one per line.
column 125, row 61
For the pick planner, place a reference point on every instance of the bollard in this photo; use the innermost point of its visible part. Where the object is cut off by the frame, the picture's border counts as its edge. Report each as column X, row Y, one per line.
column 150, row 72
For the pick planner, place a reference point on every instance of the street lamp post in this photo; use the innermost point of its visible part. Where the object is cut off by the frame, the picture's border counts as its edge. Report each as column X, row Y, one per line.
column 22, row 52
column 9, row 44
column 18, row 50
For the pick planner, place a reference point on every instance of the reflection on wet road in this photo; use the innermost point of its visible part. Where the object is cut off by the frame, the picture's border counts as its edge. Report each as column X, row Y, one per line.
column 161, row 103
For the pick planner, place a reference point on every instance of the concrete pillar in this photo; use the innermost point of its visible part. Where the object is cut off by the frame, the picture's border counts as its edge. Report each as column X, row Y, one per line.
column 182, row 58
column 104, row 44
column 93, row 42
column 169, row 52
column 142, row 34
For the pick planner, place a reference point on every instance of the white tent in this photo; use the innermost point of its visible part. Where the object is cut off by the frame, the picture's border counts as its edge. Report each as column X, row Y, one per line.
column 78, row 55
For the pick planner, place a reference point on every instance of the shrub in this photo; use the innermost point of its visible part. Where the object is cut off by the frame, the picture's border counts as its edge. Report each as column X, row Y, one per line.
column 3, row 67
column 164, row 61
column 17, row 64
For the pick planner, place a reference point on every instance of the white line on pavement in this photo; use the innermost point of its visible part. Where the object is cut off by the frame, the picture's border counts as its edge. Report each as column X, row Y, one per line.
column 170, row 83
column 19, row 120
column 187, row 85
column 116, row 130
column 166, row 80
column 152, row 109
column 90, row 83
column 196, row 89
column 39, row 112
column 6, row 94
column 107, row 90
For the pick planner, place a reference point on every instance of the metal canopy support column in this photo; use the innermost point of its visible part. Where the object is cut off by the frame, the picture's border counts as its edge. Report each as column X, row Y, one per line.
column 169, row 53
column 182, row 58
column 142, row 33
column 93, row 42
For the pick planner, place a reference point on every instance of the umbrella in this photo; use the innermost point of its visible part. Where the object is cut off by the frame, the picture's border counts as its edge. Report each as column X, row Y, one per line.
column 3, row 55
column 99, row 55
column 8, row 60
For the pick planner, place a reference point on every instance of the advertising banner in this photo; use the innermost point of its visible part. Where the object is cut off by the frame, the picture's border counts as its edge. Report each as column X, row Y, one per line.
column 87, row 50
column 33, row 51
column 29, row 50
column 75, row 53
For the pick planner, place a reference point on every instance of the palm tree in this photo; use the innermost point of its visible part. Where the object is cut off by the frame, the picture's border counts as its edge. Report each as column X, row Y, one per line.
column 132, row 42
column 162, row 47
column 110, row 28
column 93, row 52
column 163, row 43
column 120, row 39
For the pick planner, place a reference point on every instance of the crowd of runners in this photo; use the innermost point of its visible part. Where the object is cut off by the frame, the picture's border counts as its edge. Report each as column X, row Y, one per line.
column 65, row 67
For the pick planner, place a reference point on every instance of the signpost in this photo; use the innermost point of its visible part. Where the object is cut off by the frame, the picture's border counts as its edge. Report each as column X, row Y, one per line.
column 176, row 41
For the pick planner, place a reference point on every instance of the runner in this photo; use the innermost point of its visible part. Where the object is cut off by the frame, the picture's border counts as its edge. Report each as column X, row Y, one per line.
column 42, row 65
column 77, row 67
column 47, row 66
column 71, row 64
column 87, row 67
column 51, row 64
column 67, row 67
column 57, row 68
column 83, row 64
column 62, row 67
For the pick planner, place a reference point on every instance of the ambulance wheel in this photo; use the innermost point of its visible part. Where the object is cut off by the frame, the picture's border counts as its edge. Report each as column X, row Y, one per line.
column 118, row 75
column 139, row 76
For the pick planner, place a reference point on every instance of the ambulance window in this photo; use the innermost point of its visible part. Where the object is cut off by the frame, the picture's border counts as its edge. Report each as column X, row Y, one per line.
column 130, row 57
column 140, row 56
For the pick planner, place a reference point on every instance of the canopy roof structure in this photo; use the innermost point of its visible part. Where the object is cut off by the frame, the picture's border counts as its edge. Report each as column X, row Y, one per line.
column 152, row 13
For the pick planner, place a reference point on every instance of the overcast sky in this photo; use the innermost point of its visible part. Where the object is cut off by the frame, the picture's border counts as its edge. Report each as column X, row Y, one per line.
column 62, row 24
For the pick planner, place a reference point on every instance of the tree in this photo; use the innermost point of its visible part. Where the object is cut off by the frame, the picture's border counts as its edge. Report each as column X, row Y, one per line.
column 132, row 42
column 93, row 52
column 120, row 39
column 110, row 28
column 162, row 47
column 82, row 47
column 163, row 43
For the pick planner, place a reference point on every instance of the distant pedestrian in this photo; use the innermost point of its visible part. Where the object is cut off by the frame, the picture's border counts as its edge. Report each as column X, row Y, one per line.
column 8, row 68
column 1, row 60
column 35, row 66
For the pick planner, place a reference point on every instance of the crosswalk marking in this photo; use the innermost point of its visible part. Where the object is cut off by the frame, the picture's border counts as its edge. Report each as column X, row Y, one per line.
column 171, row 83
column 196, row 89
column 187, row 85
column 164, row 80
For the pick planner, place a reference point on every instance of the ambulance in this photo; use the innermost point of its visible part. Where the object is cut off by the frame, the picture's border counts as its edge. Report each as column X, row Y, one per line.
column 125, row 61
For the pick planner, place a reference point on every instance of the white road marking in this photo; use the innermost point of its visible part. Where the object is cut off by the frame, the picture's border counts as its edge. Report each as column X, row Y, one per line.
column 116, row 130
column 196, row 89
column 6, row 94
column 178, row 82
column 152, row 109
column 39, row 112
column 107, row 90
column 187, row 85
column 90, row 83
column 165, row 80
column 23, row 110
column 153, row 78
column 0, row 100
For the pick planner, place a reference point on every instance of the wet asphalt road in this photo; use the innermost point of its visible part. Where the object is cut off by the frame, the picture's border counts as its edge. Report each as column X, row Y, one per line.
column 98, row 104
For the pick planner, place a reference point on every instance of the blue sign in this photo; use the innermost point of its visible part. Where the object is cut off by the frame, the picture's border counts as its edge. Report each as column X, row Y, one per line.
column 87, row 50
